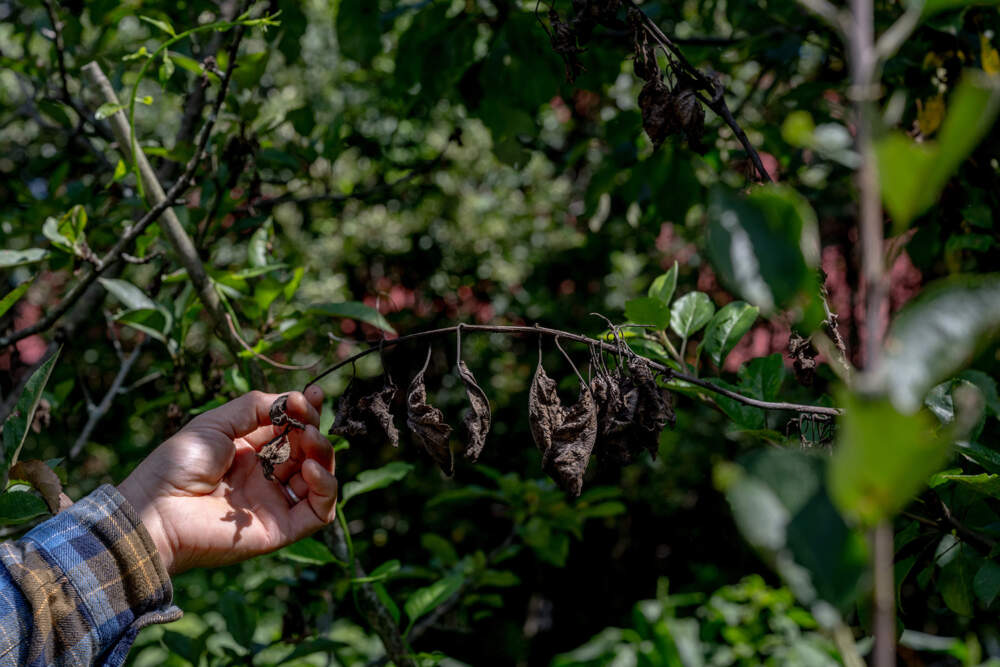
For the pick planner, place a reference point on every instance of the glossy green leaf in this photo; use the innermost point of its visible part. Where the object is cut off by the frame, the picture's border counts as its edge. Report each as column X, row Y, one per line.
column 309, row 552
column 11, row 258
column 781, row 507
column 958, row 563
column 765, row 247
column 913, row 174
column 648, row 310
column 986, row 457
column 986, row 583
column 936, row 334
column 16, row 428
column 161, row 24
column 760, row 378
column 371, row 480
column 358, row 34
column 108, row 109
column 355, row 311
column 425, row 600
column 20, row 506
column 128, row 294
column 726, row 329
column 882, row 459
column 690, row 313
column 12, row 296
column 986, row 483
column 664, row 285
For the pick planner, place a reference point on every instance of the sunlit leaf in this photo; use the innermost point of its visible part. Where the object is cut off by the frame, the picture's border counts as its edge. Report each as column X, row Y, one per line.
column 20, row 506
column 309, row 552
column 11, row 258
column 648, row 310
column 664, row 285
column 938, row 333
column 425, row 600
column 12, row 297
column 690, row 313
column 128, row 294
column 15, row 429
column 726, row 329
column 353, row 310
column 371, row 480
column 882, row 459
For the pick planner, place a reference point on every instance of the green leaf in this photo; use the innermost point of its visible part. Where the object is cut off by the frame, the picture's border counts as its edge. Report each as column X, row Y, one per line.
column 250, row 69
column 780, row 504
column 257, row 248
column 12, row 258
column 440, row 548
column 358, row 34
column 936, row 334
column 984, row 456
column 690, row 313
column 765, row 247
column 20, row 506
column 309, row 552
column 121, row 171
column 370, row 480
column 883, row 458
column 240, row 617
column 648, row 310
column 987, row 582
column 664, row 285
column 15, row 429
column 959, row 565
column 913, row 174
column 425, row 600
column 934, row 6
column 162, row 25
column 385, row 569
column 128, row 294
column 984, row 483
column 726, row 329
column 355, row 311
column 156, row 323
column 166, row 69
column 108, row 109
column 12, row 296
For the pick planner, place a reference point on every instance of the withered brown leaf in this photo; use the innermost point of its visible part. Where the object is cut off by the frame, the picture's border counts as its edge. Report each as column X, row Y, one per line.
column 364, row 412
column 543, row 408
column 616, row 417
column 273, row 454
column 659, row 117
column 348, row 421
column 42, row 478
column 573, row 440
column 426, row 423
column 690, row 116
column 653, row 411
column 479, row 417
column 377, row 408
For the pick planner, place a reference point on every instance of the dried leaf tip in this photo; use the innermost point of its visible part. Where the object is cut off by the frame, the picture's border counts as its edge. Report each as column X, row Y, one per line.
column 479, row 418
column 543, row 408
column 426, row 423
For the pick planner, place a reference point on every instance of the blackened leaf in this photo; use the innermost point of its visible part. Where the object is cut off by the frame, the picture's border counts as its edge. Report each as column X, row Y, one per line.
column 572, row 442
column 377, row 410
column 274, row 454
column 279, row 413
column 659, row 117
column 543, row 408
column 479, row 417
column 653, row 411
column 426, row 422
column 348, row 422
column 615, row 442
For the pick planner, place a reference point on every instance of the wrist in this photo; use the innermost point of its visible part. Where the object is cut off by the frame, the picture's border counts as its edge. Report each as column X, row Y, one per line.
column 151, row 519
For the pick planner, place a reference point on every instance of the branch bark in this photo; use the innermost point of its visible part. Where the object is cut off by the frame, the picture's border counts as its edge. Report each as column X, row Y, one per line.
column 607, row 347
column 109, row 398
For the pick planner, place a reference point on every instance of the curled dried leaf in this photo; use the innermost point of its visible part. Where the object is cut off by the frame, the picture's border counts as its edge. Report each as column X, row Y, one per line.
column 274, row 453
column 279, row 413
column 691, row 117
column 426, row 423
column 659, row 118
column 573, row 439
column 366, row 412
column 563, row 40
column 653, row 410
column 479, row 417
column 42, row 478
column 644, row 63
column 618, row 404
column 544, row 408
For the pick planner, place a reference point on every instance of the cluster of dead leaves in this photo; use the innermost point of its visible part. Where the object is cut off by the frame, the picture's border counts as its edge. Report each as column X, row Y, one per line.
column 617, row 415
column 364, row 411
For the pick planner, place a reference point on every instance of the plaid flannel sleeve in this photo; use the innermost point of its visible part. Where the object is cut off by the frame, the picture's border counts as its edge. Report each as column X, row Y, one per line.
column 77, row 589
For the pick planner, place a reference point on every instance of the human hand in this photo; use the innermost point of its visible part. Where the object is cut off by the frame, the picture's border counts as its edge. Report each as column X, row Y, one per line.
column 202, row 494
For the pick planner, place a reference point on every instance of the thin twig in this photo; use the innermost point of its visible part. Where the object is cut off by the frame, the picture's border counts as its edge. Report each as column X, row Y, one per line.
column 268, row 360
column 607, row 347
column 131, row 233
column 102, row 408
column 716, row 100
column 60, row 48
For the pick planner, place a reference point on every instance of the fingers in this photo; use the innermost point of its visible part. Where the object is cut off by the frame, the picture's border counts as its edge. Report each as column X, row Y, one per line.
column 320, row 505
column 308, row 443
column 240, row 416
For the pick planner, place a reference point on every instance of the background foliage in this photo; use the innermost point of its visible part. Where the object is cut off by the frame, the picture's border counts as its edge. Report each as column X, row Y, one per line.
column 381, row 167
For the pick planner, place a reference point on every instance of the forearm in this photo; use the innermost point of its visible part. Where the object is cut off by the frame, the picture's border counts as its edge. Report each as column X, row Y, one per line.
column 78, row 587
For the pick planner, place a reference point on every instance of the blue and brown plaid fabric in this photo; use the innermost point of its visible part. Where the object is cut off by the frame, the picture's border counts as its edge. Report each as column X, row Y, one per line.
column 76, row 589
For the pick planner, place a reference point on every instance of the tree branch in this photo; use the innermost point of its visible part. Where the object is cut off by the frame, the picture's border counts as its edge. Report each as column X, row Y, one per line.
column 606, row 347
column 169, row 223
column 109, row 398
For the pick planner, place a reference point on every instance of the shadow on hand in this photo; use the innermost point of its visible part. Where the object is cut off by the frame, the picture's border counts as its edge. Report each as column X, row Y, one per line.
column 239, row 516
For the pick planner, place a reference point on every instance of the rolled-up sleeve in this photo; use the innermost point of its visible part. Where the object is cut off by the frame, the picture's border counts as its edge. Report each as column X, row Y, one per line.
column 77, row 589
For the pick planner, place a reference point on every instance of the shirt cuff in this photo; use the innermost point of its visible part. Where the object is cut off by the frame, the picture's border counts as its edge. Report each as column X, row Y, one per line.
column 109, row 558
